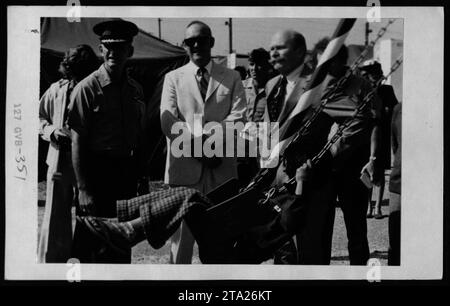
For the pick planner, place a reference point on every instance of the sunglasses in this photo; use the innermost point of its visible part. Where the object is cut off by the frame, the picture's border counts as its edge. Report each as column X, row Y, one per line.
column 201, row 41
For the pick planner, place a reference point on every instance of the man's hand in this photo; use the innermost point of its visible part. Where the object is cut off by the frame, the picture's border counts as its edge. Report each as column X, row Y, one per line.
column 302, row 174
column 250, row 132
column 86, row 202
column 371, row 169
column 61, row 137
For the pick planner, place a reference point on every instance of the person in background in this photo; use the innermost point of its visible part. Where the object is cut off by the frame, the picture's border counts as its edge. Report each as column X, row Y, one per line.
column 395, row 188
column 260, row 71
column 198, row 91
column 355, row 153
column 106, row 119
column 372, row 71
column 56, row 232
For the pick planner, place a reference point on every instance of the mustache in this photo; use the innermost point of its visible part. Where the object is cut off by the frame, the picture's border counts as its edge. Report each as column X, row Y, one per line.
column 273, row 60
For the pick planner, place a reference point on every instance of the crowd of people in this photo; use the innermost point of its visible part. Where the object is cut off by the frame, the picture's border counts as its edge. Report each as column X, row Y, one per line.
column 94, row 120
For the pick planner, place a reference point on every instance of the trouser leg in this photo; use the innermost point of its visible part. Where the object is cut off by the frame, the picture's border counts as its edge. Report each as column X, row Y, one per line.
column 353, row 197
column 394, row 229
column 112, row 179
column 314, row 240
column 182, row 241
column 182, row 245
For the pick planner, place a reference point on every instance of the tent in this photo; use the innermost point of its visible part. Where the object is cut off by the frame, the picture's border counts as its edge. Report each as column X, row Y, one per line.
column 151, row 60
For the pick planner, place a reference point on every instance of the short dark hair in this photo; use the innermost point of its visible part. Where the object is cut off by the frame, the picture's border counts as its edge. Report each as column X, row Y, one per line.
column 79, row 62
column 259, row 56
column 200, row 23
column 242, row 71
column 322, row 44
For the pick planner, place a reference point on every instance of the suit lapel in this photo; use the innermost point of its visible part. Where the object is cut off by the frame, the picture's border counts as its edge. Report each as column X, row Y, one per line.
column 270, row 92
column 215, row 79
column 271, row 86
column 192, row 86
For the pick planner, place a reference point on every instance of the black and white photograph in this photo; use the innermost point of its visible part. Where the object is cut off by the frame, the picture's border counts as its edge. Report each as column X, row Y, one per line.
column 195, row 143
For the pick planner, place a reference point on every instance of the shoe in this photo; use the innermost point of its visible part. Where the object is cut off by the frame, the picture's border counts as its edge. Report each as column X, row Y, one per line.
column 107, row 231
column 369, row 215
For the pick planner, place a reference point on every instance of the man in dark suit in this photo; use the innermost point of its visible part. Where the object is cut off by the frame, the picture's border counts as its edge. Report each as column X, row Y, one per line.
column 287, row 54
column 355, row 153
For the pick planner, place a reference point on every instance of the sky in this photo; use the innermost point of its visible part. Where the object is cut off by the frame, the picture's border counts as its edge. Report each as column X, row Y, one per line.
column 251, row 33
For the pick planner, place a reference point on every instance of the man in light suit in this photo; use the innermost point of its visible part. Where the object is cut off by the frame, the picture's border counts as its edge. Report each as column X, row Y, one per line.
column 206, row 91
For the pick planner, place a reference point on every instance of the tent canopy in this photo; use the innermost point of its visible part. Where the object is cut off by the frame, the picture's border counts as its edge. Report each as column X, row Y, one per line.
column 58, row 34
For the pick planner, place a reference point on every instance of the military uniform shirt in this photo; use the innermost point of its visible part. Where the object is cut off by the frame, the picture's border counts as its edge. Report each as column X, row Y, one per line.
column 108, row 112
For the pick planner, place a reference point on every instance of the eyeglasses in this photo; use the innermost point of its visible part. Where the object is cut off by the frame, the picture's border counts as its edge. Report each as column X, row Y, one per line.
column 201, row 41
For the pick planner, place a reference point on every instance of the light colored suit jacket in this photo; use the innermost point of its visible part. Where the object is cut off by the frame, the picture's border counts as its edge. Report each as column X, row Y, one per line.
column 181, row 100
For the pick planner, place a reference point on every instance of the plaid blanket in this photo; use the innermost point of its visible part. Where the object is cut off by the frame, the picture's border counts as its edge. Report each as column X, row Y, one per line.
column 162, row 211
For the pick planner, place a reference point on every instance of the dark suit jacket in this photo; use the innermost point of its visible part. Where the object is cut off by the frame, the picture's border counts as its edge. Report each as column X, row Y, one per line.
column 260, row 242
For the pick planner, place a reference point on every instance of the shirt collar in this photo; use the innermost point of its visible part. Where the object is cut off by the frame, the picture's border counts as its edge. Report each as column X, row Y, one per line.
column 103, row 76
column 251, row 84
column 295, row 75
column 194, row 67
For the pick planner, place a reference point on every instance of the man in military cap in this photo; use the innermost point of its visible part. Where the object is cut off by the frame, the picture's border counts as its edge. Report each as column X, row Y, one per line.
column 106, row 121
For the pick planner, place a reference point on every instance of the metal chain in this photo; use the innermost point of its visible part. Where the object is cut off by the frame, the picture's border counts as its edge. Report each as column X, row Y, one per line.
column 331, row 95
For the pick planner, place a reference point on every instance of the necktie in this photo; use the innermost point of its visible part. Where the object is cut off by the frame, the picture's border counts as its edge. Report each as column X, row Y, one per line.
column 276, row 103
column 201, row 72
